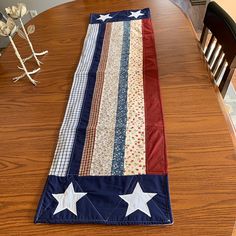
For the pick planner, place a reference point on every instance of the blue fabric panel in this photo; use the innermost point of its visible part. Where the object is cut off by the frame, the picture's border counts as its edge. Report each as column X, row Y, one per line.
column 102, row 204
column 120, row 16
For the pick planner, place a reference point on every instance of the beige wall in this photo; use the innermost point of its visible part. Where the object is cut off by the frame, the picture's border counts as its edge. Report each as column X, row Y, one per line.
column 38, row 5
column 229, row 6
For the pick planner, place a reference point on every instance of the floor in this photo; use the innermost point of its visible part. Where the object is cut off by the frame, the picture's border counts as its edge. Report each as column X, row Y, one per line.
column 195, row 13
column 230, row 100
column 198, row 2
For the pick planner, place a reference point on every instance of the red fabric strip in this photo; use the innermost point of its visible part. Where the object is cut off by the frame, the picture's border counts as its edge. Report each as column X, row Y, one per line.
column 156, row 162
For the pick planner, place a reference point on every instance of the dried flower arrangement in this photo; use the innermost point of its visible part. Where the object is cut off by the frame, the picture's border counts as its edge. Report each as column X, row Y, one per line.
column 9, row 28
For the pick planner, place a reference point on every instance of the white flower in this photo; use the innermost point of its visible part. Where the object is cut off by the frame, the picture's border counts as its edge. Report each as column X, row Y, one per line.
column 16, row 12
column 8, row 28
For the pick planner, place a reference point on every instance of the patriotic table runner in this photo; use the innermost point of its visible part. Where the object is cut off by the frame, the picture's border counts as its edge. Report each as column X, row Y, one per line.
column 110, row 162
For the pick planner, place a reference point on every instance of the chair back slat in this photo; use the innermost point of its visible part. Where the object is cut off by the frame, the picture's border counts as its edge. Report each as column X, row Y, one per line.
column 209, row 46
column 213, row 54
column 217, row 61
column 224, row 84
column 220, row 69
column 204, row 36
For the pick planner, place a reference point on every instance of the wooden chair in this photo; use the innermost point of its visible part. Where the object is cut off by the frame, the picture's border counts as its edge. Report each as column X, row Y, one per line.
column 220, row 52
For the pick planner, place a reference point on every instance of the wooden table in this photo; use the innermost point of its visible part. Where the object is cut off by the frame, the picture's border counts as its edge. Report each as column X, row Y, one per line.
column 202, row 162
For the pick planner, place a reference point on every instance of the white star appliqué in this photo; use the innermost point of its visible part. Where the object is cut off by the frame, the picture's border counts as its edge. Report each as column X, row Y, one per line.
column 136, row 14
column 138, row 200
column 104, row 17
column 68, row 200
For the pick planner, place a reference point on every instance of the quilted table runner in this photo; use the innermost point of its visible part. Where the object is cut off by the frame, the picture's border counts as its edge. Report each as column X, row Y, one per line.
column 110, row 162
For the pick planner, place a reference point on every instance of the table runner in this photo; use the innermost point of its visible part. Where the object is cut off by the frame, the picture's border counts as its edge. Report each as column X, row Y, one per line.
column 110, row 164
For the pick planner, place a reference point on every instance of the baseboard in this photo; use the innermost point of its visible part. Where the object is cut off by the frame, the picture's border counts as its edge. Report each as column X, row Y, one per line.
column 198, row 2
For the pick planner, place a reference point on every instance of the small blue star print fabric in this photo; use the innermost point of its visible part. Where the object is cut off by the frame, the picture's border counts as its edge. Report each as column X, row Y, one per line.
column 110, row 163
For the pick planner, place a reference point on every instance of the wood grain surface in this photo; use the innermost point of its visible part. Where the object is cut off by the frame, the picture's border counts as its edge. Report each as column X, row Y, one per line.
column 202, row 161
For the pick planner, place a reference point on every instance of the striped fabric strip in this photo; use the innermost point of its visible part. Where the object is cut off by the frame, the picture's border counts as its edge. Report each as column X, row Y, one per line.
column 121, row 119
column 91, row 129
column 68, row 129
column 79, row 141
column 134, row 162
column 104, row 140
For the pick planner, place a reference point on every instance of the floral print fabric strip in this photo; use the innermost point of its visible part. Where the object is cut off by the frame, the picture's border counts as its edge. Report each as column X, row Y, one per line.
column 135, row 131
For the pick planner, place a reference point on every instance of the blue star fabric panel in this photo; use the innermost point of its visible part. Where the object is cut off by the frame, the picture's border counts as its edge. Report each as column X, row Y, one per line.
column 110, row 162
column 126, row 15
column 106, row 200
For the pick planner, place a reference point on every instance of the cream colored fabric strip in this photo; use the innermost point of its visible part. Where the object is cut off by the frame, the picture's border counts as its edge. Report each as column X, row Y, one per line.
column 104, row 140
column 134, row 161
